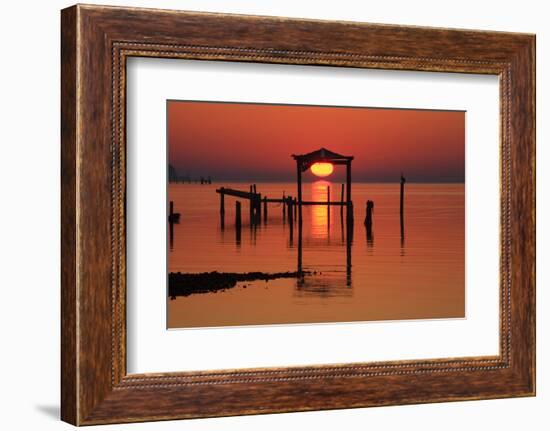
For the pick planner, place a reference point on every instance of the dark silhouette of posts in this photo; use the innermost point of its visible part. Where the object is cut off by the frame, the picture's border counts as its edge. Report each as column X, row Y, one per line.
column 284, row 208
column 173, row 217
column 342, row 201
column 258, row 200
column 265, row 209
column 401, row 206
column 349, row 214
column 290, row 211
column 328, row 208
column 171, row 225
column 299, row 181
column 238, row 222
column 368, row 220
column 222, row 201
column 222, row 208
column 252, row 203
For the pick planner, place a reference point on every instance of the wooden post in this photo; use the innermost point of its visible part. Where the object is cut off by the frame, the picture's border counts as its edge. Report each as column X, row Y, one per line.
column 171, row 209
column 265, row 209
column 299, row 179
column 349, row 241
column 238, row 215
column 328, row 208
column 350, row 221
column 171, row 235
column 291, row 219
column 284, row 207
column 368, row 221
column 222, row 208
column 258, row 207
column 348, row 180
column 238, row 221
column 348, row 191
column 401, row 206
column 290, row 210
column 251, row 201
column 222, row 201
column 342, row 201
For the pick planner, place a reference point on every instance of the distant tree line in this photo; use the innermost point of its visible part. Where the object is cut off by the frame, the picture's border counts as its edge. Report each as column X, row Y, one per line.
column 174, row 177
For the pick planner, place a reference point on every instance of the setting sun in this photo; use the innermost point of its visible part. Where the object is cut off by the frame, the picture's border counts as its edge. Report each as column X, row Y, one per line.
column 322, row 169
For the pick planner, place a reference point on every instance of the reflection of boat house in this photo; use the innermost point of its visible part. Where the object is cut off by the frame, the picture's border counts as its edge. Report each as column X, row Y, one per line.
column 303, row 163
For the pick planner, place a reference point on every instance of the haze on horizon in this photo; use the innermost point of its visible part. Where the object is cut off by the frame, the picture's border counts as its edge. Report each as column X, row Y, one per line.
column 255, row 142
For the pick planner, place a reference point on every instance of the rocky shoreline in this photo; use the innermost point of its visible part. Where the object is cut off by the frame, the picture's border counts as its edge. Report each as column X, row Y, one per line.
column 184, row 284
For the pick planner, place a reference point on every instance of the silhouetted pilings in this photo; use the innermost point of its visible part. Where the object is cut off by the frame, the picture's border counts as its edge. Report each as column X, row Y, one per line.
column 368, row 220
column 291, row 214
column 173, row 217
column 342, row 202
column 328, row 208
column 256, row 202
column 401, row 206
column 238, row 222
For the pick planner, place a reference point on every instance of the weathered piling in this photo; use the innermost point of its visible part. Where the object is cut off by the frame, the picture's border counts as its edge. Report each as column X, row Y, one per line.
column 284, row 207
column 369, row 212
column 291, row 218
column 290, row 211
column 222, row 201
column 342, row 201
column 328, row 208
column 171, row 229
column 368, row 220
column 252, row 204
column 401, row 206
column 173, row 217
column 222, row 208
column 238, row 221
column 349, row 221
column 257, row 199
column 265, row 209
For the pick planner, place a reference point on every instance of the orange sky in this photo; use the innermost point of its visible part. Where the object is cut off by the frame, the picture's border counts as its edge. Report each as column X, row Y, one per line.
column 254, row 142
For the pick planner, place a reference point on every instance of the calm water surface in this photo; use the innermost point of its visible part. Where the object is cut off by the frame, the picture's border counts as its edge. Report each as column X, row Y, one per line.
column 389, row 278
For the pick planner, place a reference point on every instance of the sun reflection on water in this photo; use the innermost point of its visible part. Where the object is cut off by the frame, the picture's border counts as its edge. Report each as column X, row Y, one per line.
column 320, row 214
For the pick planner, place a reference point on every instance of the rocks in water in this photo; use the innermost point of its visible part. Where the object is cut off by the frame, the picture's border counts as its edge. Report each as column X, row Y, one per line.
column 184, row 284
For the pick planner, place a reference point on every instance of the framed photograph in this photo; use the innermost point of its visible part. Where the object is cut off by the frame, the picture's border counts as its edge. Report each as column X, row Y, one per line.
column 264, row 214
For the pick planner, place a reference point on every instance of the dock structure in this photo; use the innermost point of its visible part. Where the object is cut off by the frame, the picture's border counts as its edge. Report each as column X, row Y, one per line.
column 305, row 161
column 401, row 205
column 255, row 199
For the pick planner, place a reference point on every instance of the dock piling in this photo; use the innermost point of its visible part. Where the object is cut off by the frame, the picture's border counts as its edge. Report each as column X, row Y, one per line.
column 284, row 208
column 238, row 221
column 368, row 220
column 328, row 208
column 401, row 205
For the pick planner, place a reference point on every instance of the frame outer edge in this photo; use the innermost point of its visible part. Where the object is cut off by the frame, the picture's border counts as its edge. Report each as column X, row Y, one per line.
column 69, row 191
column 88, row 397
column 523, row 217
